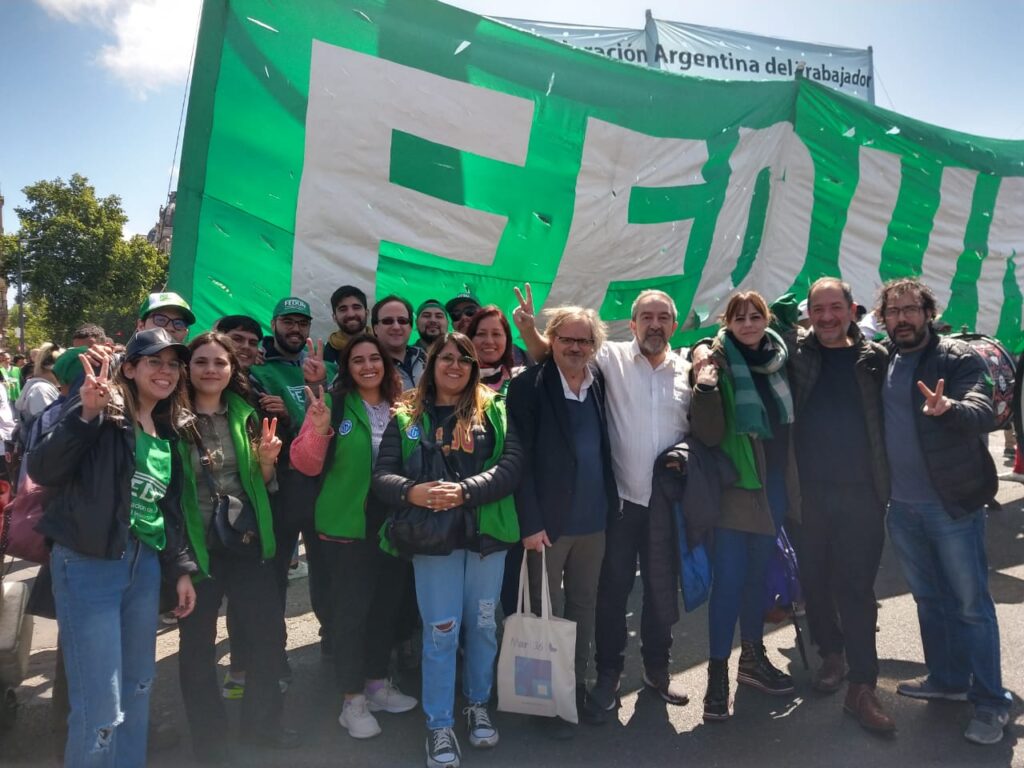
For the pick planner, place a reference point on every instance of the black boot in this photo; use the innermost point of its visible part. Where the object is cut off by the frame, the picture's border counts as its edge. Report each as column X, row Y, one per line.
column 757, row 672
column 716, row 700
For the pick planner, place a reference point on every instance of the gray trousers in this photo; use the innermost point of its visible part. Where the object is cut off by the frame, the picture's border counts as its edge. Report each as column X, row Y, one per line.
column 574, row 568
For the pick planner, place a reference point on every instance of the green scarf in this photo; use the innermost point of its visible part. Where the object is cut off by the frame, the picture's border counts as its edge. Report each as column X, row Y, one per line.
column 751, row 416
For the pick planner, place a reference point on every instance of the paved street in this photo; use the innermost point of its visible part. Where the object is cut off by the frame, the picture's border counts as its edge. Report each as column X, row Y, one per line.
column 803, row 730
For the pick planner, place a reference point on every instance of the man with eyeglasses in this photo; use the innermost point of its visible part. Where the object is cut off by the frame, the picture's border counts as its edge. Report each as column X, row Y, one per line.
column 937, row 400
column 460, row 309
column 648, row 395
column 391, row 319
column 166, row 310
column 431, row 323
column 284, row 374
column 568, row 491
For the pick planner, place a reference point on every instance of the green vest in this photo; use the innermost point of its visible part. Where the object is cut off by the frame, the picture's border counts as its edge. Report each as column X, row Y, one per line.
column 286, row 381
column 341, row 503
column 497, row 519
column 239, row 412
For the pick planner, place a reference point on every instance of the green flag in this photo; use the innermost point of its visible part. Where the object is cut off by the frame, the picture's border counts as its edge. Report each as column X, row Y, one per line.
column 408, row 147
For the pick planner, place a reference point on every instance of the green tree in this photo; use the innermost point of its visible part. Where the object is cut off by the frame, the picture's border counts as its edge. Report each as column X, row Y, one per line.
column 77, row 266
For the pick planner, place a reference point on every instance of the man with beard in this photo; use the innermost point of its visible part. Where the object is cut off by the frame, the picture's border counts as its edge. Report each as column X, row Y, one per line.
column 391, row 318
column 836, row 376
column 285, row 373
column 348, row 305
column 431, row 323
column 938, row 405
column 648, row 396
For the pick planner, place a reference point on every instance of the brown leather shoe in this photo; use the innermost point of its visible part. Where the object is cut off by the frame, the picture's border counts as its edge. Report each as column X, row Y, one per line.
column 828, row 678
column 862, row 703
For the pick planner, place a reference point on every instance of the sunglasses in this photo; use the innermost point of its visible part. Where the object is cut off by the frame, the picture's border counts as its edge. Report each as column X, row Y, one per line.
column 467, row 312
column 393, row 320
column 162, row 321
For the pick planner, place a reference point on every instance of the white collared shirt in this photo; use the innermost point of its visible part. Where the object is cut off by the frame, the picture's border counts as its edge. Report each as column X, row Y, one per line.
column 588, row 379
column 648, row 411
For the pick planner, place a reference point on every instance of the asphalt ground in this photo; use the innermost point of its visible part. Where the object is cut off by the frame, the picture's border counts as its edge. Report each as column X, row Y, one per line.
column 802, row 730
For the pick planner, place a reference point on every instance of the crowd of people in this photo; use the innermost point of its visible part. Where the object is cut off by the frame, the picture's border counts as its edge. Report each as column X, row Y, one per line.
column 419, row 474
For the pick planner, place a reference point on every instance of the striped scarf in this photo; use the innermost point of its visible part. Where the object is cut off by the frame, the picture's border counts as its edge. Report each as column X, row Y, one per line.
column 751, row 417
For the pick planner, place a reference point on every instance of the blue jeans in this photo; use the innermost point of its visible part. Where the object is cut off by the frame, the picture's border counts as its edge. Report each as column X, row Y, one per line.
column 944, row 562
column 457, row 591
column 107, row 612
column 738, row 565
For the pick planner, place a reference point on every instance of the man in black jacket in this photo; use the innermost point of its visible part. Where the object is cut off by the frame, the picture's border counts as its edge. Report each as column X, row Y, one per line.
column 938, row 403
column 836, row 376
column 568, row 489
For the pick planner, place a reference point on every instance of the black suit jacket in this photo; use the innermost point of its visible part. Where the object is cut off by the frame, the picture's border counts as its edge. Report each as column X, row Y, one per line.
column 536, row 406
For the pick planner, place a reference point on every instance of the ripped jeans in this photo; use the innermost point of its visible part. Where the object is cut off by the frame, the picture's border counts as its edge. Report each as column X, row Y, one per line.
column 107, row 612
column 457, row 591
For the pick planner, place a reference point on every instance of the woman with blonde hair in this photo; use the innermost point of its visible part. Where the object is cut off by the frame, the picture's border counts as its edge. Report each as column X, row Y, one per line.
column 449, row 456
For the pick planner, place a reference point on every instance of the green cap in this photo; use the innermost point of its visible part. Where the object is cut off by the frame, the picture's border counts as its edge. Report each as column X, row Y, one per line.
column 428, row 304
column 157, row 301
column 68, row 366
column 293, row 305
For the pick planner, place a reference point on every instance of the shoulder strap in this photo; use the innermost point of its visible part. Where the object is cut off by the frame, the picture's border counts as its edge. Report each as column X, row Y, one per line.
column 205, row 461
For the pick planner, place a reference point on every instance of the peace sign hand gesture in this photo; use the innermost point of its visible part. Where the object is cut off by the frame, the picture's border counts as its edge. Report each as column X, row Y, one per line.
column 95, row 391
column 317, row 411
column 524, row 316
column 270, row 443
column 935, row 403
column 313, row 369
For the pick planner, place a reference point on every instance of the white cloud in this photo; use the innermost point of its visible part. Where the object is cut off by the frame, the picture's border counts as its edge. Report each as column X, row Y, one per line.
column 152, row 39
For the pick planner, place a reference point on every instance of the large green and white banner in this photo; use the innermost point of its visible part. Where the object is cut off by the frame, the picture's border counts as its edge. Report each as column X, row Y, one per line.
column 406, row 146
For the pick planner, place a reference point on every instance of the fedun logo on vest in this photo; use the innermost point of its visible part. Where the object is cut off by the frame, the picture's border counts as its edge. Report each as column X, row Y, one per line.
column 413, row 432
column 345, row 428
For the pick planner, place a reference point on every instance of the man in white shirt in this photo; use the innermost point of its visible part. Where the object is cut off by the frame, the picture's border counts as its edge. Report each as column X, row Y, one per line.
column 648, row 400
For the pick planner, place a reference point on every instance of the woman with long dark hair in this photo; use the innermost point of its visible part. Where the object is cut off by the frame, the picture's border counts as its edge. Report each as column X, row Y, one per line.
column 115, row 521
column 230, row 454
column 454, row 425
column 339, row 443
column 492, row 340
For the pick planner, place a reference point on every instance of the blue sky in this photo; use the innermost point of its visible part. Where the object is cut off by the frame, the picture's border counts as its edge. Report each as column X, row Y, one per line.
column 96, row 86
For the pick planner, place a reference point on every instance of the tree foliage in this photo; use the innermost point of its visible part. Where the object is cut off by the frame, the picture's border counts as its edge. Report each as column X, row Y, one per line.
column 77, row 266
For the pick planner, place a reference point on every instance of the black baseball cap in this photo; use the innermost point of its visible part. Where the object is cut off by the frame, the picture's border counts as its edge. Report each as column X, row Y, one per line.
column 153, row 341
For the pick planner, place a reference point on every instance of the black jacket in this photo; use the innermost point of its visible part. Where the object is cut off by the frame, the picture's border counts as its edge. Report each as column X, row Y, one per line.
column 90, row 467
column 536, row 406
column 959, row 464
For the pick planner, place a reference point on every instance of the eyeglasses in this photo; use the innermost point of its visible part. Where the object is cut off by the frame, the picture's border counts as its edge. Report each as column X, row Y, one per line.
column 155, row 364
column 464, row 360
column 161, row 320
column 294, row 322
column 467, row 312
column 393, row 320
column 911, row 311
column 571, row 341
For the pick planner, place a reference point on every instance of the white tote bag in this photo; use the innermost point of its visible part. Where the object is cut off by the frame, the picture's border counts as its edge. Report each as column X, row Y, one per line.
column 536, row 667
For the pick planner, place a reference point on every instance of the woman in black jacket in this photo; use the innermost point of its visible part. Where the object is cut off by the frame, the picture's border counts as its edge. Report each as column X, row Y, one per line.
column 448, row 452
column 115, row 521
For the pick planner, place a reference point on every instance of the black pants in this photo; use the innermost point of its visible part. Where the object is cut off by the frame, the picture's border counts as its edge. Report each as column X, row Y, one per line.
column 843, row 531
column 293, row 506
column 626, row 540
column 250, row 587
column 366, row 594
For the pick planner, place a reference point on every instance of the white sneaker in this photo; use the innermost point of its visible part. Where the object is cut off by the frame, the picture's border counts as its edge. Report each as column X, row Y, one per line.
column 389, row 699
column 482, row 733
column 356, row 718
column 443, row 749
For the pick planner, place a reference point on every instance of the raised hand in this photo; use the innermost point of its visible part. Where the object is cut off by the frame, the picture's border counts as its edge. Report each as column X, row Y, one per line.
column 270, row 443
column 524, row 316
column 95, row 390
column 317, row 411
column 935, row 403
column 313, row 369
